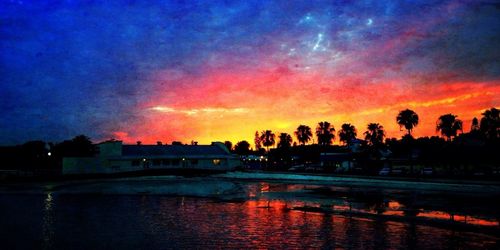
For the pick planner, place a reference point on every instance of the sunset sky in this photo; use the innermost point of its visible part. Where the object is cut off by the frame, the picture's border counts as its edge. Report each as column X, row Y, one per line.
column 220, row 70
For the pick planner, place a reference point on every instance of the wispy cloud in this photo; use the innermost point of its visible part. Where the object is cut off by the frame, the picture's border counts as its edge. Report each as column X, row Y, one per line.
column 196, row 111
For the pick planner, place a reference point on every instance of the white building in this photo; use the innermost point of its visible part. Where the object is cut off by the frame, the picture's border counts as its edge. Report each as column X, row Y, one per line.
column 114, row 157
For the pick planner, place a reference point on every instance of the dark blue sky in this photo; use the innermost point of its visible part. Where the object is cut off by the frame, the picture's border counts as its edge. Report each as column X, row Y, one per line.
column 98, row 67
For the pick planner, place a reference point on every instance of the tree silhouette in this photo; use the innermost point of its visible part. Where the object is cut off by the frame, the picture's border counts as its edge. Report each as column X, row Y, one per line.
column 347, row 133
column 325, row 133
column 475, row 125
column 242, row 148
column 303, row 134
column 285, row 140
column 80, row 146
column 375, row 134
column 448, row 125
column 229, row 145
column 408, row 119
column 267, row 138
column 490, row 123
column 257, row 141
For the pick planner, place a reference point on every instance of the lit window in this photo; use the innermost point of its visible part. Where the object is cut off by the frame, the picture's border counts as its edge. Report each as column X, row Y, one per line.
column 216, row 161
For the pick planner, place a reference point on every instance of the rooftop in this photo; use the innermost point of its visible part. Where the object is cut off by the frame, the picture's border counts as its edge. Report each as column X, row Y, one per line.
column 172, row 150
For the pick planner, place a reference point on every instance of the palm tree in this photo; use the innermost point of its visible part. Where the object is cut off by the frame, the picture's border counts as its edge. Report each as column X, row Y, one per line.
column 285, row 140
column 267, row 138
column 347, row 133
column 448, row 125
column 257, row 141
column 303, row 134
column 375, row 134
column 474, row 127
column 407, row 118
column 325, row 133
column 490, row 123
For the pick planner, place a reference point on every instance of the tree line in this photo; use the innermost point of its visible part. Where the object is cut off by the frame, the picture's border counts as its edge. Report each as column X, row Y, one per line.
column 448, row 125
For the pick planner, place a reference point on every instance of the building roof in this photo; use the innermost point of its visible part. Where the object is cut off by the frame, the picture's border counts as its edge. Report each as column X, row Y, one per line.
column 172, row 150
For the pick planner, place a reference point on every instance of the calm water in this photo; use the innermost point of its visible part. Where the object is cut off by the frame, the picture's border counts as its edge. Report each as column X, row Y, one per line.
column 263, row 215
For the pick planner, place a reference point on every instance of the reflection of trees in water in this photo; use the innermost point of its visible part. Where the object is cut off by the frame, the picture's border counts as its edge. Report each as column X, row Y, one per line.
column 48, row 222
column 410, row 239
column 380, row 233
column 326, row 229
column 370, row 200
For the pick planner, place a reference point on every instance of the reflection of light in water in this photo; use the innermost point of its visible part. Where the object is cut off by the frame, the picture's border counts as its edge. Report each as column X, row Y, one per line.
column 458, row 218
column 264, row 188
column 393, row 213
column 48, row 222
column 394, row 205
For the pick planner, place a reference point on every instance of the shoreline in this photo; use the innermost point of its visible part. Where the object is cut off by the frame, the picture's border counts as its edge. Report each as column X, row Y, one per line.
column 462, row 187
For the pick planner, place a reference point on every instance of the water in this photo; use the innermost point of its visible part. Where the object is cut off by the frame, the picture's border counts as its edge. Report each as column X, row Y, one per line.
column 252, row 215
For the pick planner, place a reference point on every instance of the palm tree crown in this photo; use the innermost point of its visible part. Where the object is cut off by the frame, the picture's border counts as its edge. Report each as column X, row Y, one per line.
column 285, row 140
column 267, row 138
column 449, row 125
column 490, row 123
column 375, row 134
column 303, row 134
column 347, row 133
column 257, row 141
column 325, row 133
column 475, row 125
column 407, row 118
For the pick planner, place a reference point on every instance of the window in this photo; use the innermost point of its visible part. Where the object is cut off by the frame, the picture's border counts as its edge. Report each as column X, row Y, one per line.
column 136, row 163
column 216, row 162
column 165, row 162
column 194, row 162
column 156, row 162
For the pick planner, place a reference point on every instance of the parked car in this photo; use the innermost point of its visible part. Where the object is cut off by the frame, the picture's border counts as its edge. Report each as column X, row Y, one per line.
column 427, row 171
column 398, row 171
column 384, row 171
column 297, row 168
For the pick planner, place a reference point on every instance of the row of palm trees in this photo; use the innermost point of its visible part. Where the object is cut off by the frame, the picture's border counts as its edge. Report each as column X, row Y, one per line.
column 448, row 125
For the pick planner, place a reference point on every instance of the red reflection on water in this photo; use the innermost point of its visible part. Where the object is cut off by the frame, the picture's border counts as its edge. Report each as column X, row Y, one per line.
column 393, row 213
column 394, row 205
column 458, row 218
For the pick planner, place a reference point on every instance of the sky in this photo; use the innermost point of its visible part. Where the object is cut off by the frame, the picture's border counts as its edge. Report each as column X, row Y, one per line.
column 220, row 70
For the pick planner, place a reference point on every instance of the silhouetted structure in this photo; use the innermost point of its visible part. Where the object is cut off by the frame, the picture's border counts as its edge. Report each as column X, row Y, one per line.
column 408, row 119
column 449, row 125
column 347, row 133
column 114, row 157
column 303, row 134
column 325, row 133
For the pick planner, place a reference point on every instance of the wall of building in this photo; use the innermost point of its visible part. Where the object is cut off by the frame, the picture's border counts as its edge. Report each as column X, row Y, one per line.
column 110, row 160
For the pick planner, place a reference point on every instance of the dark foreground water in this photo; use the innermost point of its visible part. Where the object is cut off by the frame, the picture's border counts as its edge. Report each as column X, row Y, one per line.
column 264, row 215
